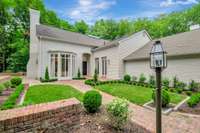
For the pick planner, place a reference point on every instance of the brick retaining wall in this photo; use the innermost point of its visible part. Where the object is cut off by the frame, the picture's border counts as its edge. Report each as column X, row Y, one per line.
column 59, row 116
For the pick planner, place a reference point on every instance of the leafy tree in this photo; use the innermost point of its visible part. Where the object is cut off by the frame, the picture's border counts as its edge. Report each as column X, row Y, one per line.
column 81, row 27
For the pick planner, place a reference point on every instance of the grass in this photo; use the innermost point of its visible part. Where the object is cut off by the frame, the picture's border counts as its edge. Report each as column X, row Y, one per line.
column 48, row 93
column 135, row 94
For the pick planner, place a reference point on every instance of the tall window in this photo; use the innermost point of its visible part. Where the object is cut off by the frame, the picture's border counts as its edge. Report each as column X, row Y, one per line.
column 97, row 64
column 54, row 65
column 104, row 66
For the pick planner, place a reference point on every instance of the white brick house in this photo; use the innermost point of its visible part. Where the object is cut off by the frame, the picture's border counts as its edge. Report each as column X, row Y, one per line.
column 65, row 52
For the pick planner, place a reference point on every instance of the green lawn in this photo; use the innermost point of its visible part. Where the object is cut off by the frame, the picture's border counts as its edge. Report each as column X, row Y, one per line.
column 135, row 94
column 48, row 93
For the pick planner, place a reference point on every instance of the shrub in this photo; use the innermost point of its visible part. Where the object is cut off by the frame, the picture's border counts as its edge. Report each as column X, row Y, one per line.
column 11, row 101
column 50, row 80
column 118, row 113
column 194, row 100
column 92, row 101
column 165, row 82
column 142, row 78
column 179, row 90
column 16, row 81
column 165, row 98
column 1, row 88
column 7, row 84
column 189, row 93
column 175, row 81
column 127, row 77
column 79, row 73
column 193, row 86
column 181, row 85
column 152, row 81
column 134, row 78
column 95, row 77
column 46, row 74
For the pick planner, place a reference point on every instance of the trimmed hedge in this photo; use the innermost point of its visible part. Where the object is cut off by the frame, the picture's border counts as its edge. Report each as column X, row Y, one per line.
column 50, row 80
column 92, row 101
column 79, row 78
column 12, row 99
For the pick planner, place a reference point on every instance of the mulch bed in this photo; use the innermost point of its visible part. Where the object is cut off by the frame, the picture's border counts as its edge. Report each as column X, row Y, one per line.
column 186, row 109
column 98, row 123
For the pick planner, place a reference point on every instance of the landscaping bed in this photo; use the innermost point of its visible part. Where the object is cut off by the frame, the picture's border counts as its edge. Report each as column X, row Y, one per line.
column 98, row 123
column 135, row 94
column 50, row 92
column 192, row 110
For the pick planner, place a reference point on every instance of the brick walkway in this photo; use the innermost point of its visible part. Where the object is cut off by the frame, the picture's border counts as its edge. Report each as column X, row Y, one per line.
column 173, row 123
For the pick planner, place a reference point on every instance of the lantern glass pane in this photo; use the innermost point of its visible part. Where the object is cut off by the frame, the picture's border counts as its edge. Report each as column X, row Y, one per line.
column 158, row 59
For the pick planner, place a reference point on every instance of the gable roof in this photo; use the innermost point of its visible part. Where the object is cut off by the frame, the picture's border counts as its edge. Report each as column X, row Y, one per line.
column 67, row 36
column 187, row 43
column 116, row 42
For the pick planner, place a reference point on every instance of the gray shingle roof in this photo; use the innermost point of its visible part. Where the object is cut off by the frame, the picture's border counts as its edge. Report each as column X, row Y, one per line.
column 71, row 37
column 187, row 43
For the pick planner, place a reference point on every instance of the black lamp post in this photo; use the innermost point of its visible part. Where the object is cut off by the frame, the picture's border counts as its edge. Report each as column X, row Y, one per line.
column 158, row 62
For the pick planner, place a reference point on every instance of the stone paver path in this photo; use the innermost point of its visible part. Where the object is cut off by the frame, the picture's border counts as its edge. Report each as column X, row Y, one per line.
column 173, row 123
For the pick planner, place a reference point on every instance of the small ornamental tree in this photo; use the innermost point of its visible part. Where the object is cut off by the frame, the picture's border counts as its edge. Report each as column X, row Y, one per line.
column 193, row 86
column 95, row 77
column 79, row 73
column 175, row 81
column 152, row 80
column 47, row 74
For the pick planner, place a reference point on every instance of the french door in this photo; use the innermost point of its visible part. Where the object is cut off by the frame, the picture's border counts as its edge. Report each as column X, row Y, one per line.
column 62, row 65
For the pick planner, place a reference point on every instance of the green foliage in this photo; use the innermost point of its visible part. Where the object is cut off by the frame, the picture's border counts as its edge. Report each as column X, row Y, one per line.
column 81, row 27
column 189, row 93
column 79, row 73
column 92, row 101
column 193, row 86
column 127, row 77
column 175, row 81
column 15, row 81
column 95, row 77
column 118, row 113
column 134, row 78
column 181, row 85
column 142, row 78
column 152, row 81
column 11, row 101
column 46, row 74
column 194, row 100
column 2, row 87
column 7, row 84
column 165, row 82
column 165, row 98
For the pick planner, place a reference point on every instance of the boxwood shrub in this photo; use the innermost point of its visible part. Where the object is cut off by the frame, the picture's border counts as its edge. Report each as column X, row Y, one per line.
column 92, row 101
column 127, row 77
column 15, row 81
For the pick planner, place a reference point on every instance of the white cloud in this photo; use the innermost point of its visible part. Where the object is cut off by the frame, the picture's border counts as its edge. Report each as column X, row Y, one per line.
column 89, row 10
column 168, row 3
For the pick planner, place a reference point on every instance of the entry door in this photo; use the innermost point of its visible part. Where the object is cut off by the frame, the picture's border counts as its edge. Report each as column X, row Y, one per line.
column 84, row 67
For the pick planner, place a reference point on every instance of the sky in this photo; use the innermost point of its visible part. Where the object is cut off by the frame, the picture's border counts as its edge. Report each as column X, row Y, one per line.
column 92, row 10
